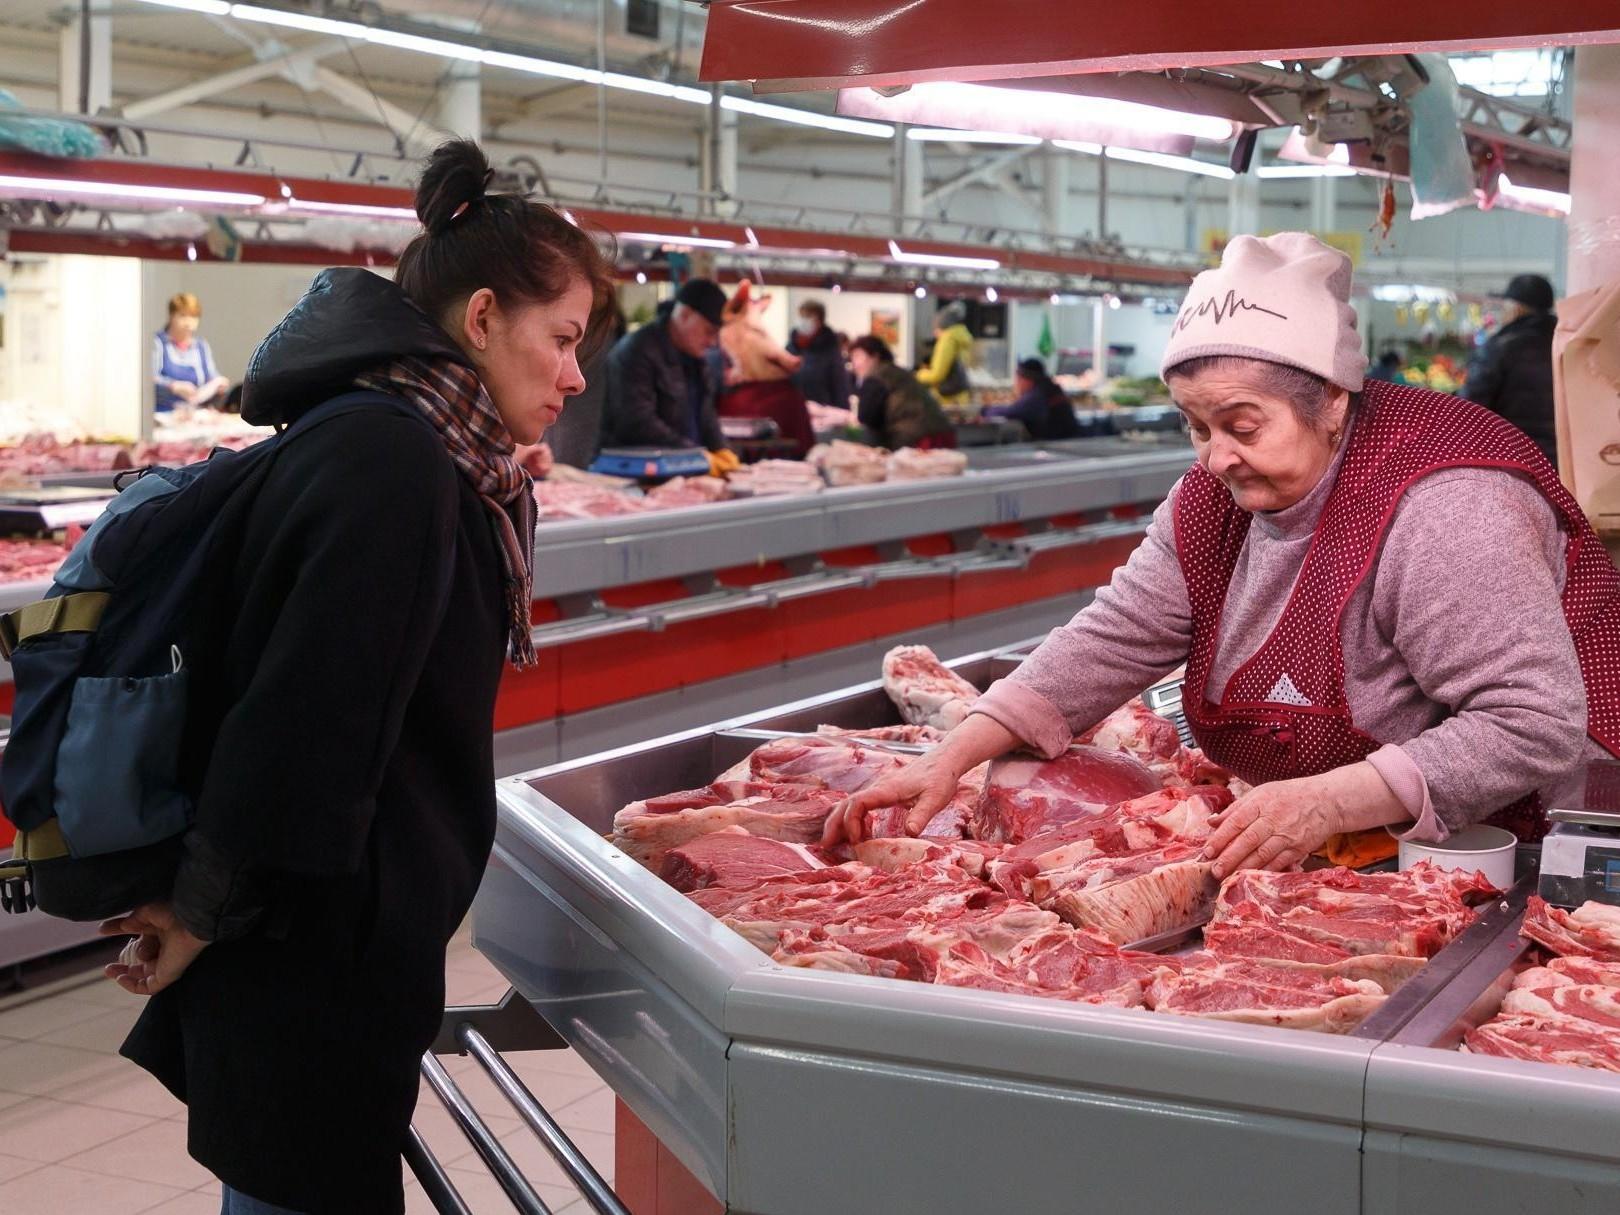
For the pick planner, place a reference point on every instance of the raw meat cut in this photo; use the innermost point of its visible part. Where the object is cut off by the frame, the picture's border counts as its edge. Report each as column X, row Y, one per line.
column 648, row 829
column 30, row 560
column 900, row 734
column 687, row 491
column 1567, row 1011
column 1329, row 914
column 829, row 417
column 1591, row 930
column 775, row 478
column 925, row 690
column 845, row 463
column 1025, row 797
column 560, row 500
column 841, row 765
column 1259, row 994
column 1135, row 728
column 1138, row 897
column 893, row 853
column 1561, row 972
column 734, row 857
column 1587, row 1001
column 1567, row 1040
column 915, row 464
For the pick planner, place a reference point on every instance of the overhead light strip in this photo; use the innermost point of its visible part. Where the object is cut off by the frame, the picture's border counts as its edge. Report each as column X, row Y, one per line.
column 78, row 188
column 448, row 49
column 659, row 238
column 947, row 135
column 897, row 254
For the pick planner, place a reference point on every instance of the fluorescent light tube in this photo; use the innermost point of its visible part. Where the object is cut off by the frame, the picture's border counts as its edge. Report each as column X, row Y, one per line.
column 1163, row 160
column 947, row 135
column 658, row 238
column 897, row 254
column 45, row 187
column 807, row 118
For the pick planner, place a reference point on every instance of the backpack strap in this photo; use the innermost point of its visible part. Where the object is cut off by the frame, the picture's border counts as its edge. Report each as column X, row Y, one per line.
column 79, row 613
column 349, row 402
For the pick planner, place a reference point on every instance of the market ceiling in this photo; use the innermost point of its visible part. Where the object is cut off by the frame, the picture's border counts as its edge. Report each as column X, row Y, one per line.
column 822, row 44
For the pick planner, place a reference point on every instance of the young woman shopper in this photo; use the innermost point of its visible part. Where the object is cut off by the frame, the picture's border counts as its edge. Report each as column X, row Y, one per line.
column 346, row 811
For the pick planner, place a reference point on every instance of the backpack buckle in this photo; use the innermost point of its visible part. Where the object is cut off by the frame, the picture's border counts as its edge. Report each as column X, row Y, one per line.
column 16, row 887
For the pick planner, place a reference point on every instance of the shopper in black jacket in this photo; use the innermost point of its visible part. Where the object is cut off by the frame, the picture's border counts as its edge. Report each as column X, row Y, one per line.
column 1513, row 375
column 346, row 813
column 822, row 375
column 661, row 384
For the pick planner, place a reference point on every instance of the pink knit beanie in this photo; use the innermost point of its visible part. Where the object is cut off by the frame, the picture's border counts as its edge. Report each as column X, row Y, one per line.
column 1282, row 298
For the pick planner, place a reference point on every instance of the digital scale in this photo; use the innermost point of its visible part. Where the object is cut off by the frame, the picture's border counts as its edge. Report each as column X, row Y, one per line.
column 652, row 463
column 1580, row 857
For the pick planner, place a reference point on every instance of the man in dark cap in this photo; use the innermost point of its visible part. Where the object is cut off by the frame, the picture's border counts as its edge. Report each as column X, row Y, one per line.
column 1512, row 376
column 660, row 386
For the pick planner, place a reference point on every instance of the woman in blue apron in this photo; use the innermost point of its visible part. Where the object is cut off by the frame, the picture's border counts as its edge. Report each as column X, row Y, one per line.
column 183, row 371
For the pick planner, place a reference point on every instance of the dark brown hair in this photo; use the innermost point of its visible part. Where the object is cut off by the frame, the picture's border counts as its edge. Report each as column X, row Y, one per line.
column 874, row 346
column 521, row 249
column 814, row 308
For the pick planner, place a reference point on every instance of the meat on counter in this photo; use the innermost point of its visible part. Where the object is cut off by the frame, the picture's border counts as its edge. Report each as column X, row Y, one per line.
column 1568, row 1010
column 1047, row 913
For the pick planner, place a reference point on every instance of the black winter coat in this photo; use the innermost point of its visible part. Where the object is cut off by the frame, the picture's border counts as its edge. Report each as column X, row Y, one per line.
column 648, row 404
column 363, row 633
column 1513, row 377
column 822, row 376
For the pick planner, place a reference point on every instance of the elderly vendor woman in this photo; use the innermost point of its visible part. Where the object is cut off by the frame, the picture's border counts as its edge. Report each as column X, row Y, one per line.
column 1391, row 612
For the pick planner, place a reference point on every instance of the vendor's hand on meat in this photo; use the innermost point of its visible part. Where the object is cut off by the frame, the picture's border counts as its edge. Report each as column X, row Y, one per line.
column 159, row 951
column 926, row 784
column 1277, row 825
column 722, row 461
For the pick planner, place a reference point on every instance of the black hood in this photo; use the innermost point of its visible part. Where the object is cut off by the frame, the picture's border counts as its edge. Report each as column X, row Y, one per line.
column 349, row 321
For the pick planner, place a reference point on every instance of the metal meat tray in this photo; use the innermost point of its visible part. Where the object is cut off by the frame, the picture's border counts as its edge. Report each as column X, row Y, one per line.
column 756, row 1075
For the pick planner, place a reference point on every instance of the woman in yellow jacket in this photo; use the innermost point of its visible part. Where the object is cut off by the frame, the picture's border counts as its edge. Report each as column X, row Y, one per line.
column 946, row 372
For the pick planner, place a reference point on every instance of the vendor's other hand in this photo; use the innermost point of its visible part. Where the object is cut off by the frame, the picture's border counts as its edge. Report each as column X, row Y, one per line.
column 926, row 785
column 159, row 951
column 1274, row 826
column 185, row 391
column 722, row 461
column 536, row 459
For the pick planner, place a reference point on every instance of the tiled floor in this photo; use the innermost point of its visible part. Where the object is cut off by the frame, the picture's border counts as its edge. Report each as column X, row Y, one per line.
column 83, row 1132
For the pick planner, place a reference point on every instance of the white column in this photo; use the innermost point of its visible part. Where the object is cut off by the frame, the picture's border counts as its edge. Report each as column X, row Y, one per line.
column 1594, row 176
column 1324, row 204
column 1055, row 189
column 1099, row 339
column 461, row 109
column 719, row 161
column 1243, row 205
column 86, row 46
column 906, row 198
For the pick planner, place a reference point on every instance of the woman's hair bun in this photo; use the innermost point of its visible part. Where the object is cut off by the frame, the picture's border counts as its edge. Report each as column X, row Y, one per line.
column 456, row 176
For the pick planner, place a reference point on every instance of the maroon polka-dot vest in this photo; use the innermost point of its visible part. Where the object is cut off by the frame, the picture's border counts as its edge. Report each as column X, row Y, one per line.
column 1283, row 714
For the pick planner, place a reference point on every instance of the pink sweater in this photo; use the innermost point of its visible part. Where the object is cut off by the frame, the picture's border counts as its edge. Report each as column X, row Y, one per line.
column 1456, row 652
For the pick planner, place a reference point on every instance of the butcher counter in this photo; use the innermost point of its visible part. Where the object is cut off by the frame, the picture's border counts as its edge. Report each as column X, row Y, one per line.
column 787, row 1091
column 649, row 623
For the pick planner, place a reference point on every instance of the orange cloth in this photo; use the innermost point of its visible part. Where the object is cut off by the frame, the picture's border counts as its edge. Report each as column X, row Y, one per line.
column 1354, row 849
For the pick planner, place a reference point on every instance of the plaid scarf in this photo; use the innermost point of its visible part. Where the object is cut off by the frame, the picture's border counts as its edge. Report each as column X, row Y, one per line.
column 453, row 399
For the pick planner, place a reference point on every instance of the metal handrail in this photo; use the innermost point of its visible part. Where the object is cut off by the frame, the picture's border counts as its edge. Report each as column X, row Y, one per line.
column 436, row 1183
column 495, row 1157
column 596, row 1192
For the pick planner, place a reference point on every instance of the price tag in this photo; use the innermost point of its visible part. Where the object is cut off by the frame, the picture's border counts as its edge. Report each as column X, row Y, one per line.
column 65, row 514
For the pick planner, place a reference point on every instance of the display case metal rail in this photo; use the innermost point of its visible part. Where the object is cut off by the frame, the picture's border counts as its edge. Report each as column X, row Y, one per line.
column 784, row 1091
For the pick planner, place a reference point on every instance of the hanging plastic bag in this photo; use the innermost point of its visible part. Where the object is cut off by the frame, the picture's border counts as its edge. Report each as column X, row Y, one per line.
column 44, row 136
column 1442, row 171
